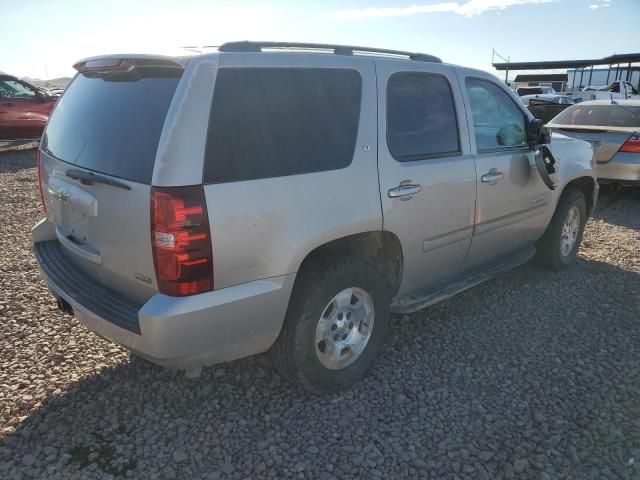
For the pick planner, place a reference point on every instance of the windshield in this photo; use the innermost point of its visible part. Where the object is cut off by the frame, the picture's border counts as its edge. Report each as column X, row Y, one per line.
column 111, row 127
column 612, row 115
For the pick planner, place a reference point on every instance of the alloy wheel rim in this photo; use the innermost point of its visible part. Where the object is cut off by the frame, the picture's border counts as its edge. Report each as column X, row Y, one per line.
column 570, row 230
column 344, row 328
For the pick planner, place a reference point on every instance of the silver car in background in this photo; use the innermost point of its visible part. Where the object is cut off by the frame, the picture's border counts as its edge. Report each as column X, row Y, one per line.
column 613, row 129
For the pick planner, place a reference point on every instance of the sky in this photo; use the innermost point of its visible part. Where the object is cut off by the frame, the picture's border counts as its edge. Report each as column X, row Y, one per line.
column 42, row 39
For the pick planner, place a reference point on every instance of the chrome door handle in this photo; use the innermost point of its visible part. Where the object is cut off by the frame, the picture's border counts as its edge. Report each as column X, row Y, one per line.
column 404, row 191
column 492, row 177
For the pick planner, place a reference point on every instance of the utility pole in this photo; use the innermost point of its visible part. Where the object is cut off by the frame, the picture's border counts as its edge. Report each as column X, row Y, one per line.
column 508, row 60
column 506, row 73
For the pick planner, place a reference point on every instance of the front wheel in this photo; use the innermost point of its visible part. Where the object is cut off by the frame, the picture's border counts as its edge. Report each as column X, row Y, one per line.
column 337, row 320
column 560, row 243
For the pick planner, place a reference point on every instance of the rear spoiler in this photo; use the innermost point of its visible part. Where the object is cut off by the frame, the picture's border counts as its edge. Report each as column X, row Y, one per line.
column 126, row 63
column 592, row 128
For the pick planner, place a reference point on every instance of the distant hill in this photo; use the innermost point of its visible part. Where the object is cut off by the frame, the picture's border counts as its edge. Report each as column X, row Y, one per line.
column 61, row 82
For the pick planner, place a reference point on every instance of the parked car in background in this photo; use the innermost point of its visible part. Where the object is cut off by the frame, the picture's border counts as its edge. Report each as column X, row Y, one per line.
column 546, row 106
column 522, row 91
column 195, row 219
column 548, row 98
column 55, row 92
column 613, row 129
column 620, row 89
column 24, row 109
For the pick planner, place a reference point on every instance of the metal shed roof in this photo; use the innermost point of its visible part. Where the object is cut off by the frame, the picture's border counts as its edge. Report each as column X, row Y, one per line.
column 550, row 65
column 542, row 77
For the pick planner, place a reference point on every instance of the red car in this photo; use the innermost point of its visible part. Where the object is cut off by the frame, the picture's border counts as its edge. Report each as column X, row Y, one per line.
column 24, row 109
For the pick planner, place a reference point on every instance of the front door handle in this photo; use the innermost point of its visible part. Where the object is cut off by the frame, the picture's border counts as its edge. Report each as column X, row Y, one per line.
column 492, row 177
column 405, row 191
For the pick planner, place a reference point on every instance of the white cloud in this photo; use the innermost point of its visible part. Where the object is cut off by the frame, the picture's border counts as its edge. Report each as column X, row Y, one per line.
column 594, row 7
column 600, row 4
column 469, row 8
column 371, row 12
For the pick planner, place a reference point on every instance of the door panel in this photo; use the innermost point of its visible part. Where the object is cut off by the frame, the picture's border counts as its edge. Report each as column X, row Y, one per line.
column 512, row 198
column 22, row 117
column 510, row 209
column 23, row 114
column 435, row 222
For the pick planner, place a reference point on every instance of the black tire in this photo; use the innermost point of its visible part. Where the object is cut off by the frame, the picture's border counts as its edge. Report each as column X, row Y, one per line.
column 549, row 253
column 294, row 353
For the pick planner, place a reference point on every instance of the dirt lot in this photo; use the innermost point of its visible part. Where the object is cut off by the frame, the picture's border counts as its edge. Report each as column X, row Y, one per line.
column 532, row 375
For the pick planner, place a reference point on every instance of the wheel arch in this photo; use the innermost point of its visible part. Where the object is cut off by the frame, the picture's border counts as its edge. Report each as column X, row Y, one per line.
column 381, row 249
column 587, row 185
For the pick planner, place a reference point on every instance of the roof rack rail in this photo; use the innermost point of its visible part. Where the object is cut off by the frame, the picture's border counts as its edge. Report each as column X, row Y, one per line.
column 248, row 46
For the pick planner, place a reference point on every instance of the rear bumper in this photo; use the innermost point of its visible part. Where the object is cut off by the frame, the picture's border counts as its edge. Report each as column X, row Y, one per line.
column 176, row 332
column 623, row 168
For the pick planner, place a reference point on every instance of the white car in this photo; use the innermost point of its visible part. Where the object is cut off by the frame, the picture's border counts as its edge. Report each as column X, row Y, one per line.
column 617, row 90
column 548, row 97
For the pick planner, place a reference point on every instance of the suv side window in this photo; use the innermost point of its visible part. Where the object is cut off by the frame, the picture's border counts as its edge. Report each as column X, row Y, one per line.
column 498, row 122
column 273, row 122
column 421, row 117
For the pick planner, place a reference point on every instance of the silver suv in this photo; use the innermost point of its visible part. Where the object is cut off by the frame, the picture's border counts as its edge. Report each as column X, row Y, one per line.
column 288, row 197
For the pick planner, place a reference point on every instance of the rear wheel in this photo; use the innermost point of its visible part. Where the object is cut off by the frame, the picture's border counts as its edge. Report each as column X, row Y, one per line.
column 336, row 323
column 559, row 245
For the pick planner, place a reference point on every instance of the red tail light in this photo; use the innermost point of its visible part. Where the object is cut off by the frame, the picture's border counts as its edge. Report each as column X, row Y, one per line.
column 44, row 206
column 181, row 240
column 632, row 145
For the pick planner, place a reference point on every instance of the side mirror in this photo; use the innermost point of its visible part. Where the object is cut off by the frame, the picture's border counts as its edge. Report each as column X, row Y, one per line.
column 42, row 95
column 537, row 134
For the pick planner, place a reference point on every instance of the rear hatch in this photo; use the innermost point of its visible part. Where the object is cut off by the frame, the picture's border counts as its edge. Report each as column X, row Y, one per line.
column 607, row 126
column 97, row 158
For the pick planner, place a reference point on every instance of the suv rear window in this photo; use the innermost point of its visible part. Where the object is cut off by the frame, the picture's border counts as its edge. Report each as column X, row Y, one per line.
column 600, row 115
column 112, row 125
column 273, row 122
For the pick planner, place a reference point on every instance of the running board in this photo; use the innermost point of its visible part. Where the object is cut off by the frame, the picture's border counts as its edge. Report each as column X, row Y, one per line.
column 420, row 299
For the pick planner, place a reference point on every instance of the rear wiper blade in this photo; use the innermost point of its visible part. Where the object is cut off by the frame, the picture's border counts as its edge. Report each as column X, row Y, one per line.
column 89, row 178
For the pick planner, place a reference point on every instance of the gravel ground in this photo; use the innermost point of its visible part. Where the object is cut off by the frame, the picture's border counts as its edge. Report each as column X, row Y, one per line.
column 532, row 375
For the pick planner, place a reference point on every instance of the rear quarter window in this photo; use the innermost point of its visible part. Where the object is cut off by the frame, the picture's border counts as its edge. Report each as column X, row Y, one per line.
column 112, row 125
column 273, row 122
